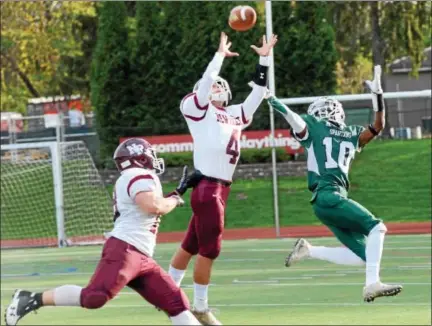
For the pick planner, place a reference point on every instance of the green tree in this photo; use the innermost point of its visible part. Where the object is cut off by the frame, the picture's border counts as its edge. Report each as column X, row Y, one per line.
column 171, row 59
column 35, row 37
column 389, row 30
column 111, row 88
column 305, row 56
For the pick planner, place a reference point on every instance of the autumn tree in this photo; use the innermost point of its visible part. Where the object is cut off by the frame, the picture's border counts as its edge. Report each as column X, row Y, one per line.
column 35, row 36
column 389, row 29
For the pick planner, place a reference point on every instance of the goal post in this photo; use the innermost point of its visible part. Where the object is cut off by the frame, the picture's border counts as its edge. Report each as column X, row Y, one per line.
column 52, row 195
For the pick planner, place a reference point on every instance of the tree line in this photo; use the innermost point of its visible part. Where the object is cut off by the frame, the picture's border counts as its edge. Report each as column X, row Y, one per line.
column 136, row 60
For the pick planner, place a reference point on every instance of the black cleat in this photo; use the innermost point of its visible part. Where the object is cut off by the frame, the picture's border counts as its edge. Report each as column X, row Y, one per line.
column 22, row 303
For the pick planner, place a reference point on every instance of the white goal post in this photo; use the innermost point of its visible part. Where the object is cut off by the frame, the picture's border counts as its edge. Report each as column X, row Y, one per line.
column 52, row 195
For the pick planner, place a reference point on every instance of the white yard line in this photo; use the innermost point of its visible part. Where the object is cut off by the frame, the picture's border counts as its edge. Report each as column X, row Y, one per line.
column 291, row 270
column 341, row 284
column 246, row 305
column 11, row 254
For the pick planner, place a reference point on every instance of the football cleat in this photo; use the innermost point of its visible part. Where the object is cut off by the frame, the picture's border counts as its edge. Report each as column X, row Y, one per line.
column 300, row 251
column 206, row 317
column 22, row 303
column 378, row 289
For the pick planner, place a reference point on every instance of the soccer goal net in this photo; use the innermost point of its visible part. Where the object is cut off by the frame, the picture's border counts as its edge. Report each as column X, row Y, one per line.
column 52, row 195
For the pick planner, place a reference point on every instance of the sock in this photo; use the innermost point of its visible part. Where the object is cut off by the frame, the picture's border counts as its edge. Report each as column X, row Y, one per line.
column 68, row 295
column 341, row 256
column 185, row 318
column 374, row 249
column 200, row 297
column 176, row 274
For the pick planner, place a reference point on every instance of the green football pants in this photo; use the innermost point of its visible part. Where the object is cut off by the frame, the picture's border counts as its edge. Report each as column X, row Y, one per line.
column 349, row 221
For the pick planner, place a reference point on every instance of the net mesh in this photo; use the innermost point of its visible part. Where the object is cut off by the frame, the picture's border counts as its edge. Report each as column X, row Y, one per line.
column 28, row 211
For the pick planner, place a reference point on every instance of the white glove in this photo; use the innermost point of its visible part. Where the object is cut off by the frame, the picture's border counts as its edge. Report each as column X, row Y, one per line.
column 180, row 201
column 267, row 93
column 375, row 84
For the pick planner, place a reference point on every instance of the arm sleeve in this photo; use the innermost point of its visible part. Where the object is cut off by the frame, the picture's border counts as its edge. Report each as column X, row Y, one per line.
column 255, row 98
column 193, row 105
column 140, row 183
column 297, row 122
column 206, row 82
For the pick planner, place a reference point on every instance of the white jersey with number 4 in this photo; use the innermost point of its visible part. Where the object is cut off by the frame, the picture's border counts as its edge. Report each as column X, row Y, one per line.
column 215, row 130
column 132, row 224
column 216, row 136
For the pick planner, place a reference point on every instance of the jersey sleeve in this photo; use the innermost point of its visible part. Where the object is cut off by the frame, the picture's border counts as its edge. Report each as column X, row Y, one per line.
column 355, row 132
column 191, row 109
column 311, row 128
column 140, row 183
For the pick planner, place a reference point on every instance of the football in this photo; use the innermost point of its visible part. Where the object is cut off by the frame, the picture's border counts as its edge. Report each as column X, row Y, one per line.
column 242, row 18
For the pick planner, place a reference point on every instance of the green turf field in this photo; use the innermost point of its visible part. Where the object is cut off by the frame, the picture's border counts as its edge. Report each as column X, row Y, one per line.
column 250, row 286
column 391, row 178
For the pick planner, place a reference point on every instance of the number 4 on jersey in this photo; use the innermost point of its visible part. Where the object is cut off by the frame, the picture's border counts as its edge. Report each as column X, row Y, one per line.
column 233, row 146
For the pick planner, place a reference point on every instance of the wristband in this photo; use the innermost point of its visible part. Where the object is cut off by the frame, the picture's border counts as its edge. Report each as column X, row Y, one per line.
column 373, row 130
column 380, row 100
column 260, row 77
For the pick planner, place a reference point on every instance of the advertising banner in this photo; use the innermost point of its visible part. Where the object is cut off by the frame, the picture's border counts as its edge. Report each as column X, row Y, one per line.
column 249, row 139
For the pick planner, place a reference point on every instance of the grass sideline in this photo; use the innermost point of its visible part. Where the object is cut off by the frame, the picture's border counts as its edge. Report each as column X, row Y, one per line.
column 250, row 286
column 390, row 178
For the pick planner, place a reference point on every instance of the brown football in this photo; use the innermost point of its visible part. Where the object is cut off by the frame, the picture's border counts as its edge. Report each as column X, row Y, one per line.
column 242, row 18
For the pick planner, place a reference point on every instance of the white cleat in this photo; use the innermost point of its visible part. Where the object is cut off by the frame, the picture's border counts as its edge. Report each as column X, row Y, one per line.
column 206, row 317
column 378, row 289
column 300, row 251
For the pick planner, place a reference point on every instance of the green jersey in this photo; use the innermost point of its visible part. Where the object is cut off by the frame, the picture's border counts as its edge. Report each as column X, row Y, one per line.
column 330, row 150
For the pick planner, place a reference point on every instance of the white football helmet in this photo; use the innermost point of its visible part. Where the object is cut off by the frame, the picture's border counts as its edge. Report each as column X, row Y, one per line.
column 224, row 96
column 327, row 108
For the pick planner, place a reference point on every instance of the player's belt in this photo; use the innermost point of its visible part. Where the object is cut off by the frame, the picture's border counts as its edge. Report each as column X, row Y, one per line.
column 222, row 182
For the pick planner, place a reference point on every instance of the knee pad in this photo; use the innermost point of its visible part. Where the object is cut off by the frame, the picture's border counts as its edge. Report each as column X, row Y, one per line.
column 379, row 228
column 211, row 250
column 93, row 299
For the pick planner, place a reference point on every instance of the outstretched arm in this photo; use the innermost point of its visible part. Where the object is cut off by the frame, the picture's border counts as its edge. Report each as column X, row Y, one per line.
column 295, row 121
column 378, row 106
column 259, row 85
column 212, row 71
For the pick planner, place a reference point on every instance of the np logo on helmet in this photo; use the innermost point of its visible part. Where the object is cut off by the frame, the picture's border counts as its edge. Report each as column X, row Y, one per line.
column 136, row 149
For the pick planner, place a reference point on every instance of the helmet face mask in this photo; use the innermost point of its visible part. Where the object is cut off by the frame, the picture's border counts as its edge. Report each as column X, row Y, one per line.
column 329, row 109
column 223, row 92
column 138, row 153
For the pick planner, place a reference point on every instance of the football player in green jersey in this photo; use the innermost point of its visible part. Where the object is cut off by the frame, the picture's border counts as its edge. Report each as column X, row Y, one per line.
column 331, row 146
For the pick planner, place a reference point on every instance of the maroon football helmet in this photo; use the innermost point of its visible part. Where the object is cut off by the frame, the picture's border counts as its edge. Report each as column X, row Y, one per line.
column 137, row 153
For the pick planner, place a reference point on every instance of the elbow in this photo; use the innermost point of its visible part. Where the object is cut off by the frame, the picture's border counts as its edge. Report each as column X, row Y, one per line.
column 379, row 126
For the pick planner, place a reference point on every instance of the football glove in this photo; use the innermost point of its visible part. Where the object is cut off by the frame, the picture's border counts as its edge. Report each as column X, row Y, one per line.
column 188, row 181
column 375, row 84
column 376, row 89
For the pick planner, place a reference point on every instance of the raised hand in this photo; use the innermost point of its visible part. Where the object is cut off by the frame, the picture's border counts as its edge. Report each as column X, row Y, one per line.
column 224, row 46
column 266, row 47
column 375, row 84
